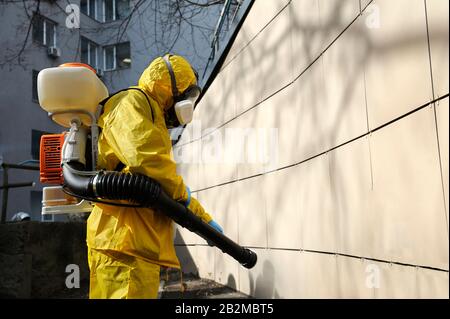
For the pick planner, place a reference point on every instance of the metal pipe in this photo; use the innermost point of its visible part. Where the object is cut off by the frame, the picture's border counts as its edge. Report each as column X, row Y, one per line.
column 17, row 185
column 4, row 193
column 20, row 166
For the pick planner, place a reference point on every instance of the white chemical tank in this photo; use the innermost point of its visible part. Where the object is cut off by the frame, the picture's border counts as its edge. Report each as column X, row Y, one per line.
column 70, row 87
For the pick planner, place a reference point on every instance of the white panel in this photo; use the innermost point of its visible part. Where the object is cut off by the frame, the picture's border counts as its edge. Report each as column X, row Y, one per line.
column 247, row 77
column 255, row 138
column 438, row 16
column 273, row 50
column 351, row 190
column 318, row 220
column 187, row 158
column 396, row 282
column 261, row 13
column 216, row 165
column 307, row 37
column 442, row 115
column 291, row 274
column 314, row 132
column 283, row 211
column 318, row 276
column 271, row 140
column 356, row 279
column 335, row 16
column 344, row 86
column 247, row 134
column 285, row 267
column 220, row 203
column 408, row 197
column 240, row 43
column 364, row 4
column 185, row 237
column 219, row 103
column 226, row 270
column 281, row 115
column 398, row 69
column 432, row 284
column 205, row 261
column 185, row 138
column 252, row 212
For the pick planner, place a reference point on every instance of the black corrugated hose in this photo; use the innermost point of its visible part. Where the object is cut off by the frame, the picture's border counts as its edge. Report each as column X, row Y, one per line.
column 146, row 192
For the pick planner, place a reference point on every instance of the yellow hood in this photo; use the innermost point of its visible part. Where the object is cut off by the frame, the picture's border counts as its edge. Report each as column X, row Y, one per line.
column 155, row 80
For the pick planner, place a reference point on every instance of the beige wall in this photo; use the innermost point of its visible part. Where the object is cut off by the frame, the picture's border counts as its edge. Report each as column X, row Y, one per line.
column 355, row 204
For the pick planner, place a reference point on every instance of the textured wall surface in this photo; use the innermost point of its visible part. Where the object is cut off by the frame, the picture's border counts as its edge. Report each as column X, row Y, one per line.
column 347, row 195
column 34, row 257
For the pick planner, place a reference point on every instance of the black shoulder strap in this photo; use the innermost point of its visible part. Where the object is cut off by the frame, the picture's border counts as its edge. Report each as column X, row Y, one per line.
column 104, row 101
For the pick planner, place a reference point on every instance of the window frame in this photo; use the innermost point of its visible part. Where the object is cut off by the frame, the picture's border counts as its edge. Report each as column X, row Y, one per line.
column 114, row 57
column 114, row 11
column 88, row 9
column 114, row 46
column 97, row 46
column 100, row 5
column 45, row 22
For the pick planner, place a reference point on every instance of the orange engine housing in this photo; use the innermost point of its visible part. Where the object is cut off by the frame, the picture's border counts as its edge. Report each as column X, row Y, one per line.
column 50, row 159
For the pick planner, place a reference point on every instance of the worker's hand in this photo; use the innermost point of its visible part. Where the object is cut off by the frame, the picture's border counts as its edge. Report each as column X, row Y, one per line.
column 217, row 227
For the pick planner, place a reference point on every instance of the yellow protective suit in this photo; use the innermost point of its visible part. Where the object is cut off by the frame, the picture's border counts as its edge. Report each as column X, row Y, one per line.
column 128, row 245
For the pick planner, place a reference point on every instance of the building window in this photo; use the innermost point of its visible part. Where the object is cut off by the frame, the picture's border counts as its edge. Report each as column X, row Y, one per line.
column 36, row 143
column 122, row 9
column 44, row 31
column 34, row 90
column 89, row 8
column 89, row 52
column 105, row 10
column 117, row 56
column 109, row 54
column 109, row 10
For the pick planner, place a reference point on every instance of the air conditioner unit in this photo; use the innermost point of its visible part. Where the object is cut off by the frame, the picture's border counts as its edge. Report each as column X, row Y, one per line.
column 100, row 72
column 53, row 52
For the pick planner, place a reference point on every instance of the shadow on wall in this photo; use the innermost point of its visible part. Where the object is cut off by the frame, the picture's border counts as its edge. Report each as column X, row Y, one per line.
column 264, row 284
column 231, row 282
column 187, row 263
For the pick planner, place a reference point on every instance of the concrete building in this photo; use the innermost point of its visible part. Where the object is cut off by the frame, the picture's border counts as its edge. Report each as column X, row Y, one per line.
column 117, row 46
column 352, row 200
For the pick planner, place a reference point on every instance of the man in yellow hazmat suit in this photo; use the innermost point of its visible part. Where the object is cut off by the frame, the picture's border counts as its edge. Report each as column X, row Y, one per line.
column 126, row 245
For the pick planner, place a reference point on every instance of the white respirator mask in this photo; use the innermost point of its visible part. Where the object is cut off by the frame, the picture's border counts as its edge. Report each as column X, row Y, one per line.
column 183, row 110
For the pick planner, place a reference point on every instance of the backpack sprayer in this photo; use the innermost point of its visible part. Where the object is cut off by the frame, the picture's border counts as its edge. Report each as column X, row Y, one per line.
column 68, row 160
